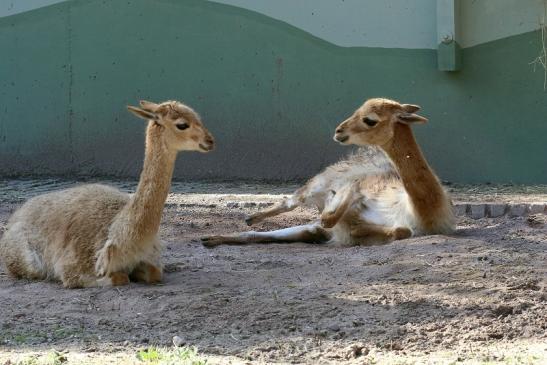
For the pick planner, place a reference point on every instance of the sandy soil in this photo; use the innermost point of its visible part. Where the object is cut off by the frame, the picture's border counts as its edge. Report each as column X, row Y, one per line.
column 422, row 298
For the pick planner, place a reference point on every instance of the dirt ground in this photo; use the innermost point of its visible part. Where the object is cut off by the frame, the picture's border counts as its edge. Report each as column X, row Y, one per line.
column 479, row 295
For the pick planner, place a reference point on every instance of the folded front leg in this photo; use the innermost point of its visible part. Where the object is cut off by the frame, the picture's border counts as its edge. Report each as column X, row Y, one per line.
column 339, row 204
column 147, row 273
column 286, row 205
column 106, row 259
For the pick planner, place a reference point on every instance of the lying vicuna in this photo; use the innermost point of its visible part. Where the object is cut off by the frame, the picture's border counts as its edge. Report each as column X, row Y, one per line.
column 96, row 235
column 382, row 193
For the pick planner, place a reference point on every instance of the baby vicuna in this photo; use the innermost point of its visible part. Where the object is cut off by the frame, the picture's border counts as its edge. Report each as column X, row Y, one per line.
column 382, row 193
column 96, row 235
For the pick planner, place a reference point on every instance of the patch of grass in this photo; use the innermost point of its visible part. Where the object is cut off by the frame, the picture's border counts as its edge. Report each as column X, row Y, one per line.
column 31, row 360
column 53, row 357
column 173, row 356
column 514, row 359
column 28, row 336
column 20, row 338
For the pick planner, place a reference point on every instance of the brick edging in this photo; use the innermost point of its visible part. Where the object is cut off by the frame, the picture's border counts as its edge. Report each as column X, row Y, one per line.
column 475, row 210
column 493, row 210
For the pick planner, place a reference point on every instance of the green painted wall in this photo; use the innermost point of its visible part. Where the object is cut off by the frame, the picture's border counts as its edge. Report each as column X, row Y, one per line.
column 487, row 20
column 271, row 93
column 379, row 23
column 356, row 23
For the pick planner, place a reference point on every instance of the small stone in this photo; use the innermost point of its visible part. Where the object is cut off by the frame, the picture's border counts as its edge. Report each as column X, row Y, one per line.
column 503, row 310
column 177, row 341
column 535, row 221
column 356, row 350
column 232, row 204
column 496, row 210
column 518, row 210
column 460, row 209
column 496, row 335
column 477, row 210
column 249, row 204
column 397, row 346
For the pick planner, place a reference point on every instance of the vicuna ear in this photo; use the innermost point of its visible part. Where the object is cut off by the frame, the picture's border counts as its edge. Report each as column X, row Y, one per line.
column 410, row 108
column 148, row 105
column 410, row 118
column 141, row 113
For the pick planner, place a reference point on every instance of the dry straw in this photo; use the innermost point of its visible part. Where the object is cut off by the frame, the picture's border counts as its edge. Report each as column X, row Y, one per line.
column 541, row 60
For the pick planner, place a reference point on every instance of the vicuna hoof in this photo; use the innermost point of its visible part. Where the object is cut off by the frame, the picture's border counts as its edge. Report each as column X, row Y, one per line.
column 328, row 221
column 119, row 278
column 147, row 273
column 211, row 241
column 401, row 233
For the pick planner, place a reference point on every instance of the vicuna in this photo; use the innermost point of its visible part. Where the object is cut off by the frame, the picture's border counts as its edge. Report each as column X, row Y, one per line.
column 380, row 194
column 95, row 235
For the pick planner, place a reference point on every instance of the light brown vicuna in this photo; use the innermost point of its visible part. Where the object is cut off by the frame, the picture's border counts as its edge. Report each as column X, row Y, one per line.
column 384, row 192
column 94, row 235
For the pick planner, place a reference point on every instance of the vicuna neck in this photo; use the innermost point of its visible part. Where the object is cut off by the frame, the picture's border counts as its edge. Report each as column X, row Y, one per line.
column 422, row 185
column 146, row 205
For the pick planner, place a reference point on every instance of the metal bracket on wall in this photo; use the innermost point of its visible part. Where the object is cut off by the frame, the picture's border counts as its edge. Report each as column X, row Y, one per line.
column 449, row 52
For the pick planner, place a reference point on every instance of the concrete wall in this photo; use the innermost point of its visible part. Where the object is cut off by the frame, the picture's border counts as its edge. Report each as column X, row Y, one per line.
column 488, row 20
column 374, row 23
column 355, row 23
column 11, row 7
column 271, row 91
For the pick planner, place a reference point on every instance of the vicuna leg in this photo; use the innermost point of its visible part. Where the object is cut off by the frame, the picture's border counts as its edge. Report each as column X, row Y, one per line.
column 311, row 233
column 118, row 278
column 20, row 258
column 339, row 204
column 286, row 205
column 147, row 273
column 372, row 234
column 72, row 278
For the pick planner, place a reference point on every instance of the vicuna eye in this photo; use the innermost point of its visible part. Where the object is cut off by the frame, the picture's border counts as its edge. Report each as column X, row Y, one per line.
column 370, row 122
column 182, row 126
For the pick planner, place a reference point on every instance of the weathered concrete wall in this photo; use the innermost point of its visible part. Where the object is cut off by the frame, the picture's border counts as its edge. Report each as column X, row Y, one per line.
column 271, row 93
column 377, row 23
column 11, row 7
column 355, row 23
column 488, row 20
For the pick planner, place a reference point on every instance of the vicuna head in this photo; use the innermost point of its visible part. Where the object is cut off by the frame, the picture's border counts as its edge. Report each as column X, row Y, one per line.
column 182, row 128
column 374, row 122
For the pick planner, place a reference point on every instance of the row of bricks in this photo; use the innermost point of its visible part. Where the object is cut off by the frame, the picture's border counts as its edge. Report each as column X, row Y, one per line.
column 476, row 210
